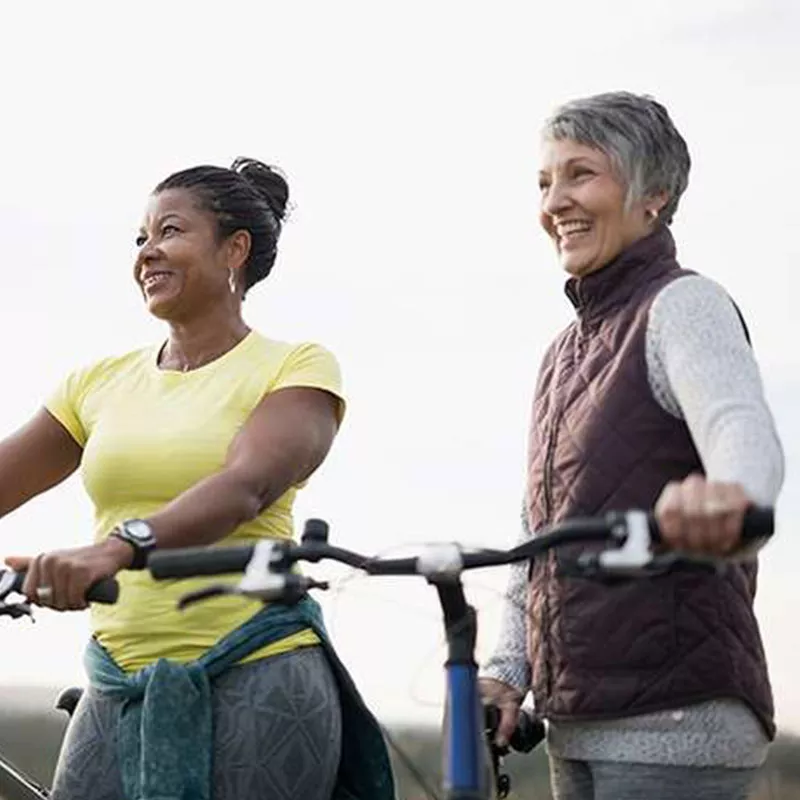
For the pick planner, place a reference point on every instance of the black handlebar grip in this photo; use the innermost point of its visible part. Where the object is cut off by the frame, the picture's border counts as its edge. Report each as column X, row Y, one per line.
column 188, row 562
column 392, row 566
column 529, row 733
column 105, row 591
column 758, row 526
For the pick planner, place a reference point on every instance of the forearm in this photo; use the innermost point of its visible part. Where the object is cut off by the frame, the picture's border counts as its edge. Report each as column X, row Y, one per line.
column 283, row 443
column 509, row 661
column 210, row 510
column 742, row 447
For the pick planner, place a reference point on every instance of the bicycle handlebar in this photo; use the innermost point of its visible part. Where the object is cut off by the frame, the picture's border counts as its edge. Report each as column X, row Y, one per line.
column 188, row 562
column 634, row 534
column 757, row 527
column 105, row 591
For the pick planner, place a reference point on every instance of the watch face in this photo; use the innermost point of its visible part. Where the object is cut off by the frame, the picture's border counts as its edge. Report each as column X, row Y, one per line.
column 139, row 530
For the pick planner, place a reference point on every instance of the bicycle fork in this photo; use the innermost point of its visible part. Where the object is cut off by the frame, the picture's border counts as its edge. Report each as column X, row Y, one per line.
column 465, row 768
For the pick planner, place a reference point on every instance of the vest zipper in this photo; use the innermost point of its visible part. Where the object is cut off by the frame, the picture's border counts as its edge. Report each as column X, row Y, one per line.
column 548, row 473
column 548, row 511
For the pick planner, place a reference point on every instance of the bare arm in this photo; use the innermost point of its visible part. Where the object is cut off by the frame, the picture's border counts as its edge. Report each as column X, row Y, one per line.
column 285, row 439
column 35, row 458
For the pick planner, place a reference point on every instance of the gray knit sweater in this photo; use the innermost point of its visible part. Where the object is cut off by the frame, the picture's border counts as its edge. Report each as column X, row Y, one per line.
column 701, row 370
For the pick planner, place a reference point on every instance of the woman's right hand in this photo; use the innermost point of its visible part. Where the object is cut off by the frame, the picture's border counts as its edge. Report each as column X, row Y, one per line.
column 508, row 701
column 67, row 575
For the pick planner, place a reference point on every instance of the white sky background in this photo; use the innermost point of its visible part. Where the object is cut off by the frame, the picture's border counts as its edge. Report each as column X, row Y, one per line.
column 409, row 135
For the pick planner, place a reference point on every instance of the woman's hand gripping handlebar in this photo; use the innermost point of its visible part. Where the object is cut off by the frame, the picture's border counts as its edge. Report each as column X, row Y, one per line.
column 11, row 582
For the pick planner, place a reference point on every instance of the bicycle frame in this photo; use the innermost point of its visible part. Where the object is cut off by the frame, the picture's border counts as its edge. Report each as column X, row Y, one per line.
column 629, row 538
column 16, row 785
column 465, row 771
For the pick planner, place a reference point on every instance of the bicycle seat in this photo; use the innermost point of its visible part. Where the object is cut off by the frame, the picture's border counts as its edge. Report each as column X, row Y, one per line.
column 69, row 698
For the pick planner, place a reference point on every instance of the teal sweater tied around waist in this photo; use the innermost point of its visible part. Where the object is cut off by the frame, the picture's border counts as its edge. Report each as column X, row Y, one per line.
column 165, row 731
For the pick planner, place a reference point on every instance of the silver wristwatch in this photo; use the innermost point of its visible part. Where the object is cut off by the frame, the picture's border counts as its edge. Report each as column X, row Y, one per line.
column 139, row 535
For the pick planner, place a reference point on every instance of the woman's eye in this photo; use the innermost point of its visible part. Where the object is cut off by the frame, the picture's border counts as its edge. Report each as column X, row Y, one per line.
column 140, row 240
column 168, row 230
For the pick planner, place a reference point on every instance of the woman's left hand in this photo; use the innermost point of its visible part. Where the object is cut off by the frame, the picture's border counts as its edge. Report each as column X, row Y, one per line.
column 60, row 579
column 701, row 516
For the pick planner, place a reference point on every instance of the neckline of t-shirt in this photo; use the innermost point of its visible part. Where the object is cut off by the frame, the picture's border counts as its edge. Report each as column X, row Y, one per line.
column 249, row 337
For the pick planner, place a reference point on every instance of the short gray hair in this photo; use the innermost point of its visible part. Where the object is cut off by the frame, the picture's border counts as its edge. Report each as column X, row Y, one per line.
column 637, row 134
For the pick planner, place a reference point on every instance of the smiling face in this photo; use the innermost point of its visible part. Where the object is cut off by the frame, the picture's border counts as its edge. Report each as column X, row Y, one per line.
column 583, row 207
column 181, row 268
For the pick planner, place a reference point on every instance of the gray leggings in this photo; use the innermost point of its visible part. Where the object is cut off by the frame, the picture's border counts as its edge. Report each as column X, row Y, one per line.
column 612, row 780
column 277, row 734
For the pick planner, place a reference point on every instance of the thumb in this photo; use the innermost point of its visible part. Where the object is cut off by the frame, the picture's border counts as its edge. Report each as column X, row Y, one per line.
column 509, row 715
column 18, row 563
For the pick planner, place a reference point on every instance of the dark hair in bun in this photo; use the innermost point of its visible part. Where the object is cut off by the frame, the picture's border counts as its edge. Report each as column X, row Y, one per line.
column 250, row 196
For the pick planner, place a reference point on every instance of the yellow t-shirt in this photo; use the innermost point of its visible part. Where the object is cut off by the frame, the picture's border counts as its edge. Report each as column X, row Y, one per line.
column 148, row 435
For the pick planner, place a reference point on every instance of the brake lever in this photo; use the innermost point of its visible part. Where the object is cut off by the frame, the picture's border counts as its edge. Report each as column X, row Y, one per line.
column 8, row 585
column 529, row 733
column 284, row 588
column 590, row 566
column 217, row 590
column 267, row 578
column 287, row 589
column 634, row 557
column 16, row 610
column 502, row 782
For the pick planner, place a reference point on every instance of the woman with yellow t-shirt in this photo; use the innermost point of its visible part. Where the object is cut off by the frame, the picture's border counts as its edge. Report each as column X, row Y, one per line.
column 204, row 439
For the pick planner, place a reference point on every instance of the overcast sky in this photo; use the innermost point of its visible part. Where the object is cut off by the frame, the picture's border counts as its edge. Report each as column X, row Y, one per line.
column 409, row 135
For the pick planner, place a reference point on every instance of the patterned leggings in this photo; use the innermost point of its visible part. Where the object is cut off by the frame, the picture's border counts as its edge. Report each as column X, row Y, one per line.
column 277, row 735
column 611, row 780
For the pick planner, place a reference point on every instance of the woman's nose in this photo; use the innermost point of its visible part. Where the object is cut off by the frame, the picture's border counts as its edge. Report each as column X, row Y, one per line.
column 556, row 200
column 148, row 252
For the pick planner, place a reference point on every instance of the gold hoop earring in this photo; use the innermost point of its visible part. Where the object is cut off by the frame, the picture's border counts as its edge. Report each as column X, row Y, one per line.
column 232, row 280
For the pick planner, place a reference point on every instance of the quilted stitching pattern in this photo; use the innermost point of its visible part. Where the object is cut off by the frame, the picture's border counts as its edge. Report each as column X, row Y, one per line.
column 642, row 645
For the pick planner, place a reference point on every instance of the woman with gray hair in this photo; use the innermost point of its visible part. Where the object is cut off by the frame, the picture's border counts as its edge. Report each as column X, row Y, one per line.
column 651, row 398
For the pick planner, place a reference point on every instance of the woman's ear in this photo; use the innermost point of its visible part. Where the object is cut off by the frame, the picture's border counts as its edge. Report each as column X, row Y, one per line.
column 238, row 250
column 654, row 205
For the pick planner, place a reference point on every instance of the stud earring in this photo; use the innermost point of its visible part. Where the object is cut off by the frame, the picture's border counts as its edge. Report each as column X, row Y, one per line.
column 232, row 281
column 652, row 214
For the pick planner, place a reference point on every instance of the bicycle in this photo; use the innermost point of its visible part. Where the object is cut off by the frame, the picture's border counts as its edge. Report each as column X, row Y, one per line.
column 14, row 783
column 633, row 552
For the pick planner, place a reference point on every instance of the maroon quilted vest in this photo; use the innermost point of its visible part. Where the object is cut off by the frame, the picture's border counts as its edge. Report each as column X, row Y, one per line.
column 599, row 441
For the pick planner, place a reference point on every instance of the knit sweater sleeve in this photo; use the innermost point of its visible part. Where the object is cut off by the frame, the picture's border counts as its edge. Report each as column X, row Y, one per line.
column 702, row 369
column 509, row 661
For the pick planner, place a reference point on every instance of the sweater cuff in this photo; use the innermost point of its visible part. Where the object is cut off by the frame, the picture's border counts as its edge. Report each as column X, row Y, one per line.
column 511, row 671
